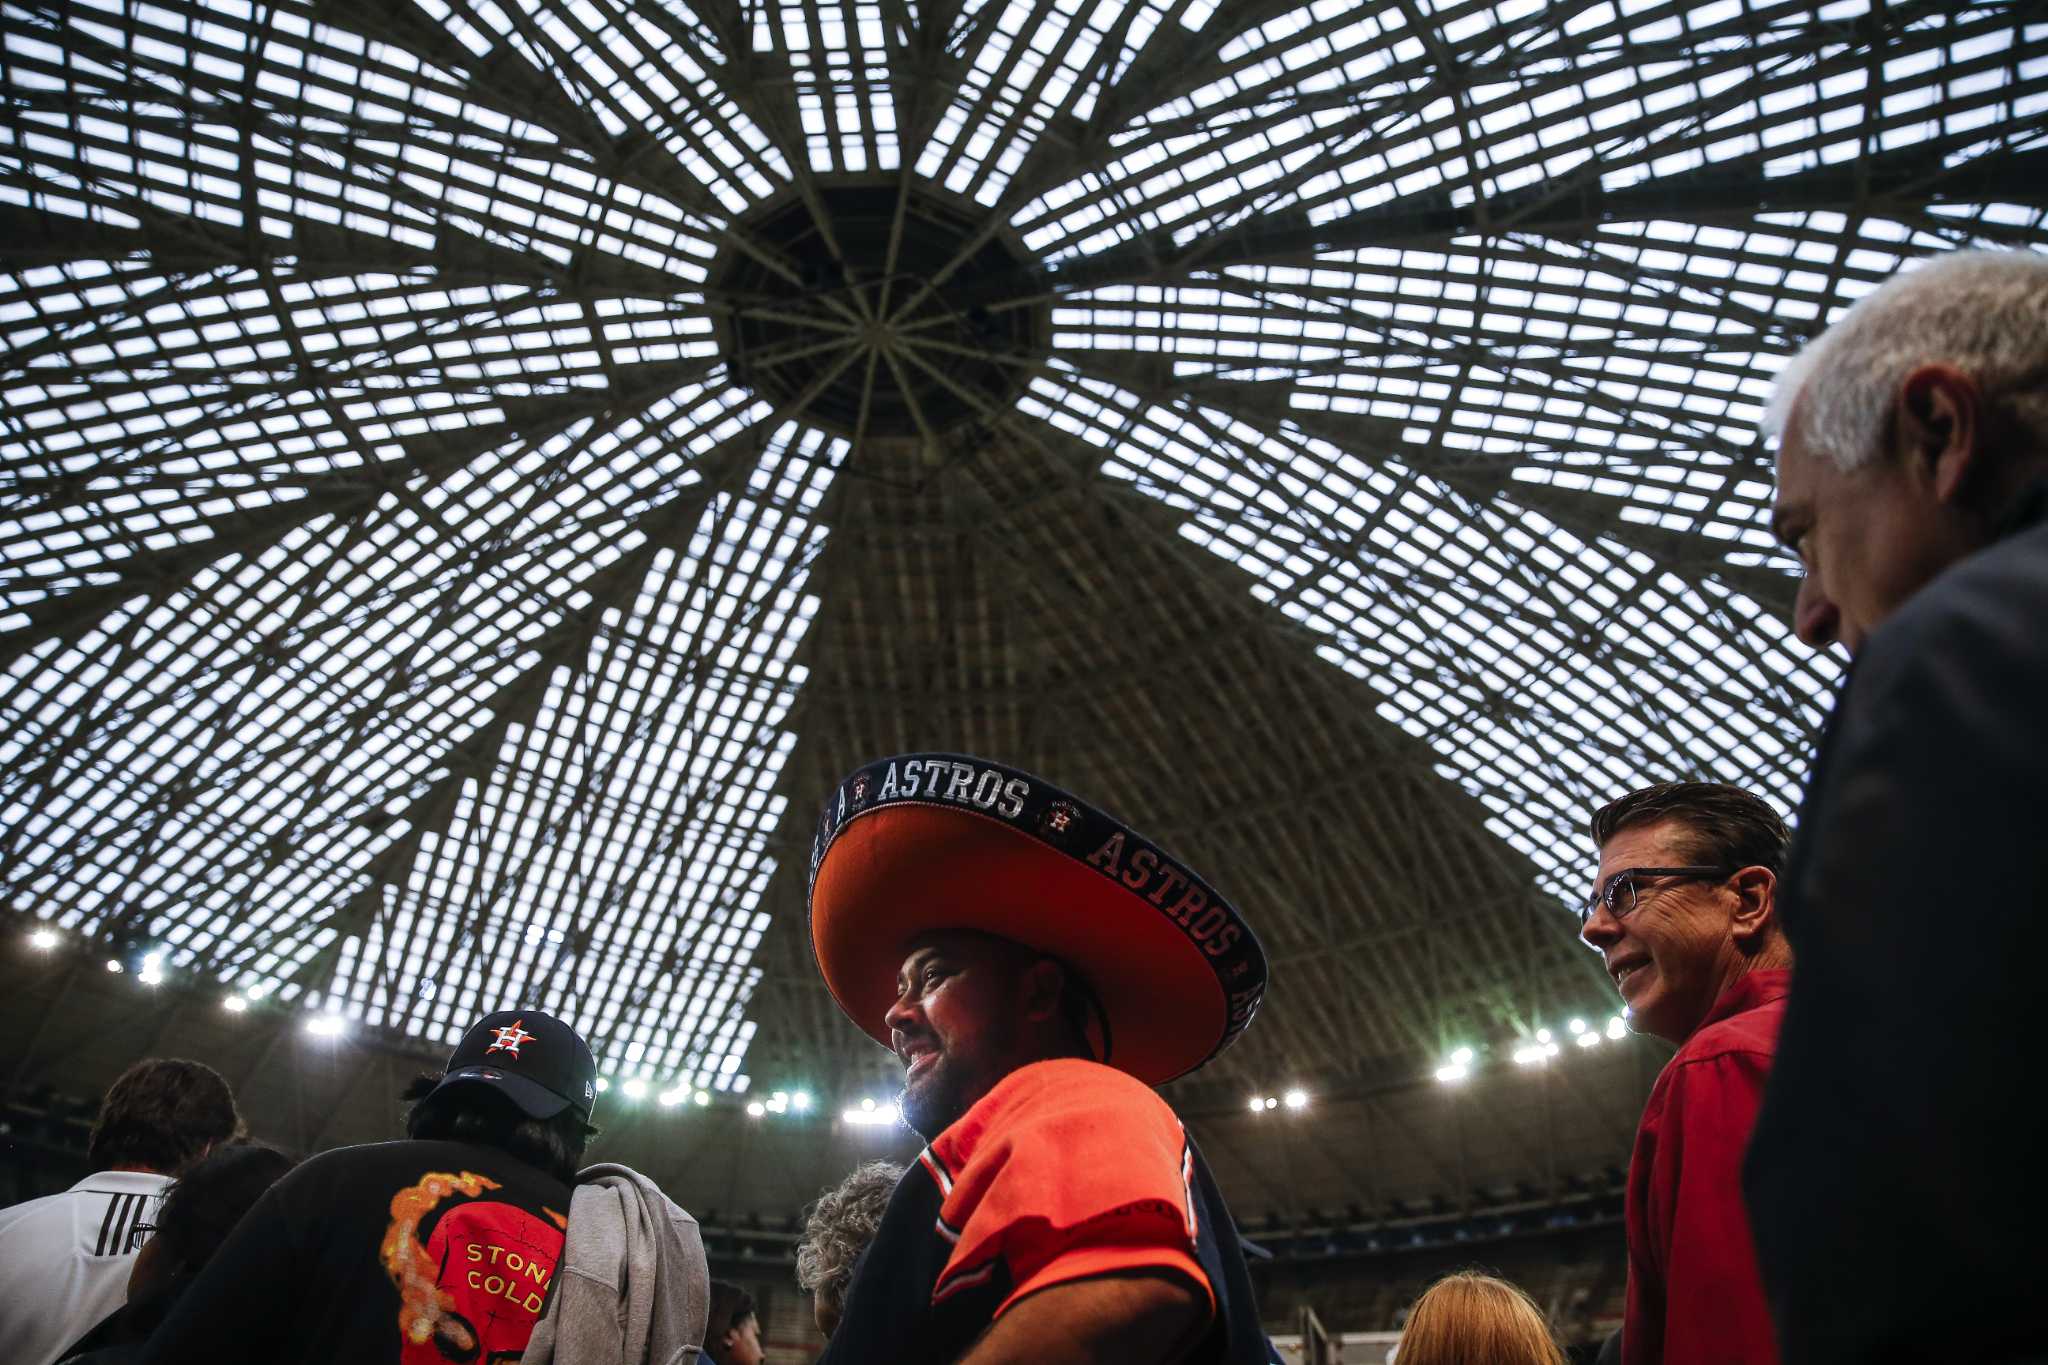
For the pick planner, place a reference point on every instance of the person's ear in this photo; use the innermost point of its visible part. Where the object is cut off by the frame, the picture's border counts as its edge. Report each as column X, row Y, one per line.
column 1938, row 418
column 1043, row 984
column 1756, row 897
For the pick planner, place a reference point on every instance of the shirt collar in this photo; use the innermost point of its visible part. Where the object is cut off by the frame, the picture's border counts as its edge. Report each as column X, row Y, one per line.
column 1748, row 991
column 123, row 1182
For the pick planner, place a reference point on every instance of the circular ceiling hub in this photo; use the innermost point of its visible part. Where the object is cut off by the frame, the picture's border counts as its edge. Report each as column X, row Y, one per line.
column 884, row 311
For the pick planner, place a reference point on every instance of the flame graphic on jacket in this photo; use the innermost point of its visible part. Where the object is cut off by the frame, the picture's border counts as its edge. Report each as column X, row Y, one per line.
column 422, row 1303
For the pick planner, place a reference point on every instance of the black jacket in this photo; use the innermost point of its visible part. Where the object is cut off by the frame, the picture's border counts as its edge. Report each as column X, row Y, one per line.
column 1894, row 1177
column 120, row 1335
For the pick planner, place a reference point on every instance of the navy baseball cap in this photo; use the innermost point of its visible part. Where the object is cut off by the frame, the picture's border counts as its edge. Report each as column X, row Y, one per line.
column 533, row 1059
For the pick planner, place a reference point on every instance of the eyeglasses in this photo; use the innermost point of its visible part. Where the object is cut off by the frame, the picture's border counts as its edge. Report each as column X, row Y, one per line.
column 1618, row 893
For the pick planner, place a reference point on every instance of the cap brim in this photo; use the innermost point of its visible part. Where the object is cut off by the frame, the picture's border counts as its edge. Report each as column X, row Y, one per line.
column 533, row 1099
column 895, row 872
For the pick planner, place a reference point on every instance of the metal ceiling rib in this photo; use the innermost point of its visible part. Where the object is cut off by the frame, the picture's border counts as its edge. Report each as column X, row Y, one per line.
column 475, row 469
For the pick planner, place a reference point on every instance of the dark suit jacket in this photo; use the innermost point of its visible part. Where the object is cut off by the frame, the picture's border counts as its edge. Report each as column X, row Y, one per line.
column 1894, row 1180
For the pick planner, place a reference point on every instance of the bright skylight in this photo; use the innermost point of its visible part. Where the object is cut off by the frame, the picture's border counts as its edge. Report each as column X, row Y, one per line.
column 612, row 867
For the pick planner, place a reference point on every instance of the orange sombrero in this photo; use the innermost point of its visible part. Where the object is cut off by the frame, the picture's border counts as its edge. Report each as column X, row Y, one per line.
column 923, row 842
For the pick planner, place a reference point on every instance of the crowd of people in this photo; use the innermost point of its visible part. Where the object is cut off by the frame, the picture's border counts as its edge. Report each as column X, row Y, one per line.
column 1834, row 1166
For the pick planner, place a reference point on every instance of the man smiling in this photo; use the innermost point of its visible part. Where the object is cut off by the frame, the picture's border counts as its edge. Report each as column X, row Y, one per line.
column 1683, row 914
column 1036, row 967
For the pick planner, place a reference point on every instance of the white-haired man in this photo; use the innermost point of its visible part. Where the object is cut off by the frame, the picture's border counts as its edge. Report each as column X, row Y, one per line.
column 1892, row 1178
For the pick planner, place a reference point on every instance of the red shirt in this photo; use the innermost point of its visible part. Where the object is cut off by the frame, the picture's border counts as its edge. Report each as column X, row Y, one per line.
column 1694, row 1295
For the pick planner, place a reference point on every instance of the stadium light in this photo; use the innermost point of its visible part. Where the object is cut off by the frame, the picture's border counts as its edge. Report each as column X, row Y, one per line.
column 329, row 1025
column 871, row 1115
column 1258, row 1104
column 1451, row 1073
column 114, row 966
column 43, row 940
column 1543, row 1035
column 1462, row 1057
column 755, row 1109
column 669, row 1099
column 634, row 1087
column 234, row 1004
column 1588, row 1038
column 1297, row 1099
column 1617, row 1028
column 703, row 1098
column 1577, row 1026
column 152, row 973
column 800, row 1101
column 604, row 1083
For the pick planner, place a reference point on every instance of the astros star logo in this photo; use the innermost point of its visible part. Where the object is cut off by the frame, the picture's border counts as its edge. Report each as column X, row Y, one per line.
column 1058, row 820
column 510, row 1037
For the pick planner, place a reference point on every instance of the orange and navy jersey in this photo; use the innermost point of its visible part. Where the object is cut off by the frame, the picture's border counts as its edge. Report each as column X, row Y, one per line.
column 1066, row 1170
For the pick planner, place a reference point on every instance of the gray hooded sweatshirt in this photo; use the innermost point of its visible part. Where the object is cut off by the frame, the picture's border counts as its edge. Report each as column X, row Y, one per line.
column 632, row 1287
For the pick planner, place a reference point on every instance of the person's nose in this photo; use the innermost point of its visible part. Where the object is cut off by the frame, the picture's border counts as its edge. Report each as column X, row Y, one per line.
column 1816, row 620
column 902, row 1016
column 1601, row 929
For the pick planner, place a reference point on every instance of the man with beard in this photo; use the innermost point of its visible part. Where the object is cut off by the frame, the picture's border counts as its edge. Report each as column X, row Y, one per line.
column 1037, row 967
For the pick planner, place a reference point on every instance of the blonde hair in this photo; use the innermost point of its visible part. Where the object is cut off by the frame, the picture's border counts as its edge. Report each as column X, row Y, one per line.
column 1470, row 1319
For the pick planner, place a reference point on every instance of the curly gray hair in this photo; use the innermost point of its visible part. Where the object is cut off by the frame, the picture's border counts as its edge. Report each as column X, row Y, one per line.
column 839, row 1227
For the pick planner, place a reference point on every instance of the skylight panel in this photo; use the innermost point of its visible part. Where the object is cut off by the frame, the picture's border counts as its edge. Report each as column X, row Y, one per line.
column 309, row 764
column 590, row 830
column 1365, row 601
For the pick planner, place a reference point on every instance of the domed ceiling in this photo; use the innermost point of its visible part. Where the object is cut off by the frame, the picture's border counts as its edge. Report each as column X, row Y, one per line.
column 476, row 473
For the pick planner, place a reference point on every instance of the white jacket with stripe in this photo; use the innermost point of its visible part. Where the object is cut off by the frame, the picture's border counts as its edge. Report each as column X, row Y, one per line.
column 64, row 1261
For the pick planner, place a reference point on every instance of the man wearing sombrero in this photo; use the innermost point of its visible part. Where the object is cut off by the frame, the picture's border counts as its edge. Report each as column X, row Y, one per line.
column 1037, row 966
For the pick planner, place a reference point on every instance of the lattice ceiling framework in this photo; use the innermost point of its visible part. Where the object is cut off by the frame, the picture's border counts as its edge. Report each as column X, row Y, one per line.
column 475, row 470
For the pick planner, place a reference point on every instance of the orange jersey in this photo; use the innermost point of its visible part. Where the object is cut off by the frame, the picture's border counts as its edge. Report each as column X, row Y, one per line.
column 1066, row 1170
